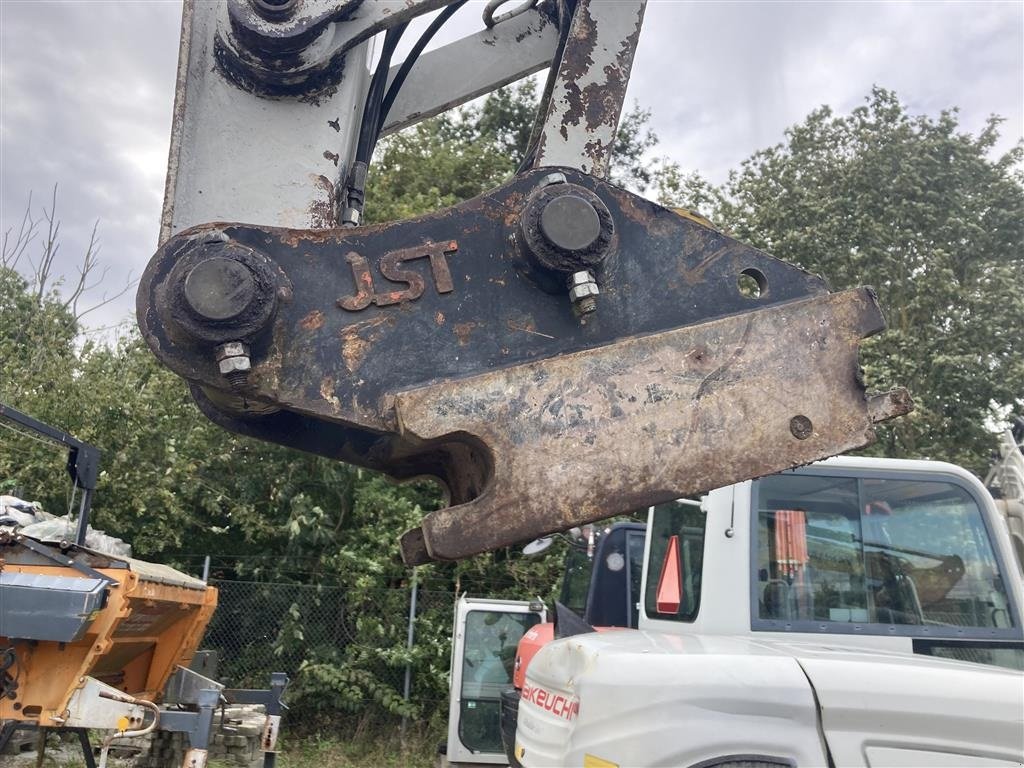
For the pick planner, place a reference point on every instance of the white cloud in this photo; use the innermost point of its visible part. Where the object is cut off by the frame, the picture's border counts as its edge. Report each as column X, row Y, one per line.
column 734, row 75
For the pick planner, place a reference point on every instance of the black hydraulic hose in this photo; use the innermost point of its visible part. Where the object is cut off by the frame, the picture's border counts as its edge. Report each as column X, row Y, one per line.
column 410, row 60
column 355, row 186
column 368, row 130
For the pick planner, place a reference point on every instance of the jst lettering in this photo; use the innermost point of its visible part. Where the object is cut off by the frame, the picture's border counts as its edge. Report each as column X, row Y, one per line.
column 555, row 703
column 391, row 269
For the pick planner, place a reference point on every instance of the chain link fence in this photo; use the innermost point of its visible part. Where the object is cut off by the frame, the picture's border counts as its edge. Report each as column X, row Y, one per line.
column 259, row 628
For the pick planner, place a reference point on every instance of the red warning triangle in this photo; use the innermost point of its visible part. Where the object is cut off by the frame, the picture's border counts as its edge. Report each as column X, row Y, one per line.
column 670, row 582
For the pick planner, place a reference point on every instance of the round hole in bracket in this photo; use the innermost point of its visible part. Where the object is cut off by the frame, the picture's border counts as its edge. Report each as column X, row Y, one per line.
column 752, row 283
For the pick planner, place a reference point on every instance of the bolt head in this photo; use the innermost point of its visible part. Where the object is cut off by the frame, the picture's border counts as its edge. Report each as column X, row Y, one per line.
column 274, row 10
column 570, row 223
column 801, row 427
column 219, row 288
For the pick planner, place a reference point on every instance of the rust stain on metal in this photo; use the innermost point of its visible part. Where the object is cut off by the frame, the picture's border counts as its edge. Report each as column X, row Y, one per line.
column 353, row 350
column 592, row 78
column 327, row 393
column 463, row 332
column 358, row 339
column 708, row 255
column 313, row 320
column 672, row 413
column 513, row 208
column 439, row 318
column 577, row 62
column 321, row 210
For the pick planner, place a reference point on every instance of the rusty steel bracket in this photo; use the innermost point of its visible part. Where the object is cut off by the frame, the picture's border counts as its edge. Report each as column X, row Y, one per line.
column 650, row 419
column 554, row 351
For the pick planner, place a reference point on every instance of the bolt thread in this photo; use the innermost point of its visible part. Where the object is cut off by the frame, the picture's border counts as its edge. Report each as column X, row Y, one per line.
column 238, row 380
column 587, row 305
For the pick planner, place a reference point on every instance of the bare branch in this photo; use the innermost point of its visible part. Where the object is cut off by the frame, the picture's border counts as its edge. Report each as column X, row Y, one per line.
column 51, row 245
column 89, row 262
column 76, row 298
column 106, row 299
column 13, row 250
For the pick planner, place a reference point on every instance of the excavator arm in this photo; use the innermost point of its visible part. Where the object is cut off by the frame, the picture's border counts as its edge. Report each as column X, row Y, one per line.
column 554, row 351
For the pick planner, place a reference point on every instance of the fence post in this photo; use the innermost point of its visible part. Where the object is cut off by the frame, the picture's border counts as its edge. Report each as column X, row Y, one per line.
column 206, row 569
column 407, row 688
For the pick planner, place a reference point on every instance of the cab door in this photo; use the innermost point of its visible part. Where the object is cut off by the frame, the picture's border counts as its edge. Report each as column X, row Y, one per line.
column 484, row 641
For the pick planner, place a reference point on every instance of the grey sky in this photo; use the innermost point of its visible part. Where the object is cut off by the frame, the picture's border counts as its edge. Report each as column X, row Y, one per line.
column 86, row 91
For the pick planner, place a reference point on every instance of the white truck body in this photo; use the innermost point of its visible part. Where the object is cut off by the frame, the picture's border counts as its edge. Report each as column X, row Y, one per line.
column 816, row 658
column 657, row 699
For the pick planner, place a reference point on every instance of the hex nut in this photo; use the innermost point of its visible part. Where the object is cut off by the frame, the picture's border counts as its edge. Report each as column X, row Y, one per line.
column 580, row 278
column 580, row 292
column 233, row 364
column 232, row 349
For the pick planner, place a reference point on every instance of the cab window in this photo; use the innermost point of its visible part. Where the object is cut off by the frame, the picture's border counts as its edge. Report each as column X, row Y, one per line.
column 908, row 554
column 488, row 658
column 635, row 558
column 576, row 582
column 683, row 524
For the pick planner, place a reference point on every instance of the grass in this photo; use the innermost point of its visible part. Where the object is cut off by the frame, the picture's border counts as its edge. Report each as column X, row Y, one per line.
column 352, row 745
column 379, row 749
column 382, row 753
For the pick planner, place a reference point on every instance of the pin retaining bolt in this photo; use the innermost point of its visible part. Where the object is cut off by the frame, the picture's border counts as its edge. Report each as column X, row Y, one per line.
column 583, row 291
column 235, row 363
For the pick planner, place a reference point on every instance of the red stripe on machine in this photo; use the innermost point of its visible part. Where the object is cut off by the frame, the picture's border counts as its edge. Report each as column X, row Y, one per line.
column 566, row 707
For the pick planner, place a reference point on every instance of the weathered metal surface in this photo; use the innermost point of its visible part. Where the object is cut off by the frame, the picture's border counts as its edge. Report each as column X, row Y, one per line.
column 574, row 439
column 303, row 52
column 586, row 101
column 237, row 157
column 438, row 346
column 360, row 314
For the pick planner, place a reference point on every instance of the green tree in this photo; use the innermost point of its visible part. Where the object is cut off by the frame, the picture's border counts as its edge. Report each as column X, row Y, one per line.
column 919, row 209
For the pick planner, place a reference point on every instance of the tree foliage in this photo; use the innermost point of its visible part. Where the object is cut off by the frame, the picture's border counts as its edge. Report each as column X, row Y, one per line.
column 915, row 207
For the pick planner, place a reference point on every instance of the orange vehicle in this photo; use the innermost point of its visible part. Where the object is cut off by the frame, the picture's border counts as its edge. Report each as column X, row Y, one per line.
column 77, row 624
column 89, row 636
